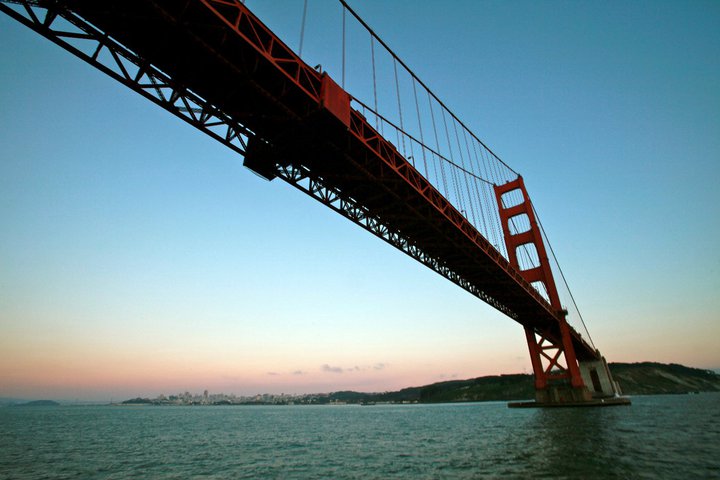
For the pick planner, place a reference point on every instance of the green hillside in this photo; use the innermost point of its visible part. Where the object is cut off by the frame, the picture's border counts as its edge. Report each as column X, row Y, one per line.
column 646, row 378
column 649, row 378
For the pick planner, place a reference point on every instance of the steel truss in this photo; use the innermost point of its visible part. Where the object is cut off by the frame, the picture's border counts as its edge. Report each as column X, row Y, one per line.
column 373, row 185
column 553, row 356
column 83, row 40
column 303, row 179
column 74, row 34
column 235, row 15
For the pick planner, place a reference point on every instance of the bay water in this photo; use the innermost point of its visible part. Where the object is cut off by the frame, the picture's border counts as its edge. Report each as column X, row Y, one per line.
column 673, row 436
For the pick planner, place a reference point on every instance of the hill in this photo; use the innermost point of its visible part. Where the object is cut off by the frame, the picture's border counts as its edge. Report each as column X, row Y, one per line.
column 497, row 387
column 649, row 378
column 39, row 403
column 646, row 378
column 137, row 401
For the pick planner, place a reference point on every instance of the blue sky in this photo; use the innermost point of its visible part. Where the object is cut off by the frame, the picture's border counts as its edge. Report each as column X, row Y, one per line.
column 138, row 256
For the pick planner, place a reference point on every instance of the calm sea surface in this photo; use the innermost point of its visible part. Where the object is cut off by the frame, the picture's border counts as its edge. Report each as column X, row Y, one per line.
column 657, row 437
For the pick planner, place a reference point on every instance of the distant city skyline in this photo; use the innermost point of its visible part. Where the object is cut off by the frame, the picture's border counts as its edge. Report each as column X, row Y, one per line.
column 138, row 256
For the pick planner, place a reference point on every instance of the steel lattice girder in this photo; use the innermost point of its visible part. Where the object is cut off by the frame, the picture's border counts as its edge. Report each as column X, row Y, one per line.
column 212, row 63
column 96, row 48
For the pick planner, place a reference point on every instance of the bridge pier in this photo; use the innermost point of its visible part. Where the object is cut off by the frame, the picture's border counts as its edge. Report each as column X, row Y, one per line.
column 598, row 385
column 562, row 377
column 596, row 374
column 217, row 66
column 603, row 391
column 559, row 394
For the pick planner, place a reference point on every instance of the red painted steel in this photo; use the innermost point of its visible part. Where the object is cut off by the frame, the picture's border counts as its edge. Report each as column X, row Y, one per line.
column 538, row 344
column 300, row 125
column 335, row 100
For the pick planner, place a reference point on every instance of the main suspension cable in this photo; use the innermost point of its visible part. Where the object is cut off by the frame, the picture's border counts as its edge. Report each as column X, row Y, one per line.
column 399, row 60
column 414, row 139
column 562, row 275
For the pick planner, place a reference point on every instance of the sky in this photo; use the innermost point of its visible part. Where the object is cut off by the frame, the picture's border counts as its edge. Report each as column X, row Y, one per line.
column 138, row 256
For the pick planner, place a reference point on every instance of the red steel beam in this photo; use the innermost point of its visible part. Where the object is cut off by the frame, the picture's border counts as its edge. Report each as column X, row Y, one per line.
column 222, row 52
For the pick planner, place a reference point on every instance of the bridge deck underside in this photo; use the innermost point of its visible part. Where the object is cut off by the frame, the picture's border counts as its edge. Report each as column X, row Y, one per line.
column 193, row 46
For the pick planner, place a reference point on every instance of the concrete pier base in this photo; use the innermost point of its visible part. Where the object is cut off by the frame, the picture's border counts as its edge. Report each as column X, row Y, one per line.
column 604, row 391
column 596, row 375
column 595, row 402
column 563, row 394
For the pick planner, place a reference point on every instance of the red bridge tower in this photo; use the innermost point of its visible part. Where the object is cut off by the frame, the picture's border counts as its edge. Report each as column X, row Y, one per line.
column 559, row 377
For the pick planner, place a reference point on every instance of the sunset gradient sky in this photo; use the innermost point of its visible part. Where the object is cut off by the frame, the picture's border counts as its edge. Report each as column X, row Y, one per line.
column 138, row 256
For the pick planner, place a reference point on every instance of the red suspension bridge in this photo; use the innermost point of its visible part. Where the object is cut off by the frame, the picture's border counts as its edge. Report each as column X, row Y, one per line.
column 413, row 174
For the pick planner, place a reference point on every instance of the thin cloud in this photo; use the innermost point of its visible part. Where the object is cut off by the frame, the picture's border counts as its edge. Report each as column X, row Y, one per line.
column 329, row 369
column 356, row 368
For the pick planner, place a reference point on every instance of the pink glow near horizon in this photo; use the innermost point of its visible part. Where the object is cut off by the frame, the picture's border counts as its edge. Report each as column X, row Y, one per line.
column 138, row 256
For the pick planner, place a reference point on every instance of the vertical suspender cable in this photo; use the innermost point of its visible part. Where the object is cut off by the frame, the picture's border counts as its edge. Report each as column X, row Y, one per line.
column 480, row 201
column 495, row 218
column 482, row 197
column 490, row 225
column 496, row 167
column 404, row 65
column 343, row 47
column 397, row 92
column 465, row 176
column 437, row 148
column 372, row 54
column 488, row 166
column 562, row 275
column 302, row 28
column 422, row 137
column 456, row 183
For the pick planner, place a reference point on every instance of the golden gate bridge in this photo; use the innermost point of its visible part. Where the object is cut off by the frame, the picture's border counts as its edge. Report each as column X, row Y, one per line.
column 412, row 174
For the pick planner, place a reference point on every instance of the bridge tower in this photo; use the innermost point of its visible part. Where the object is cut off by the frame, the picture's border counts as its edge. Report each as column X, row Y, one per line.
column 214, row 64
column 560, row 378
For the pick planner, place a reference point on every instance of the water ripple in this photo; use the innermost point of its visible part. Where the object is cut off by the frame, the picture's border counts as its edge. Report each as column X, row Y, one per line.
column 658, row 437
